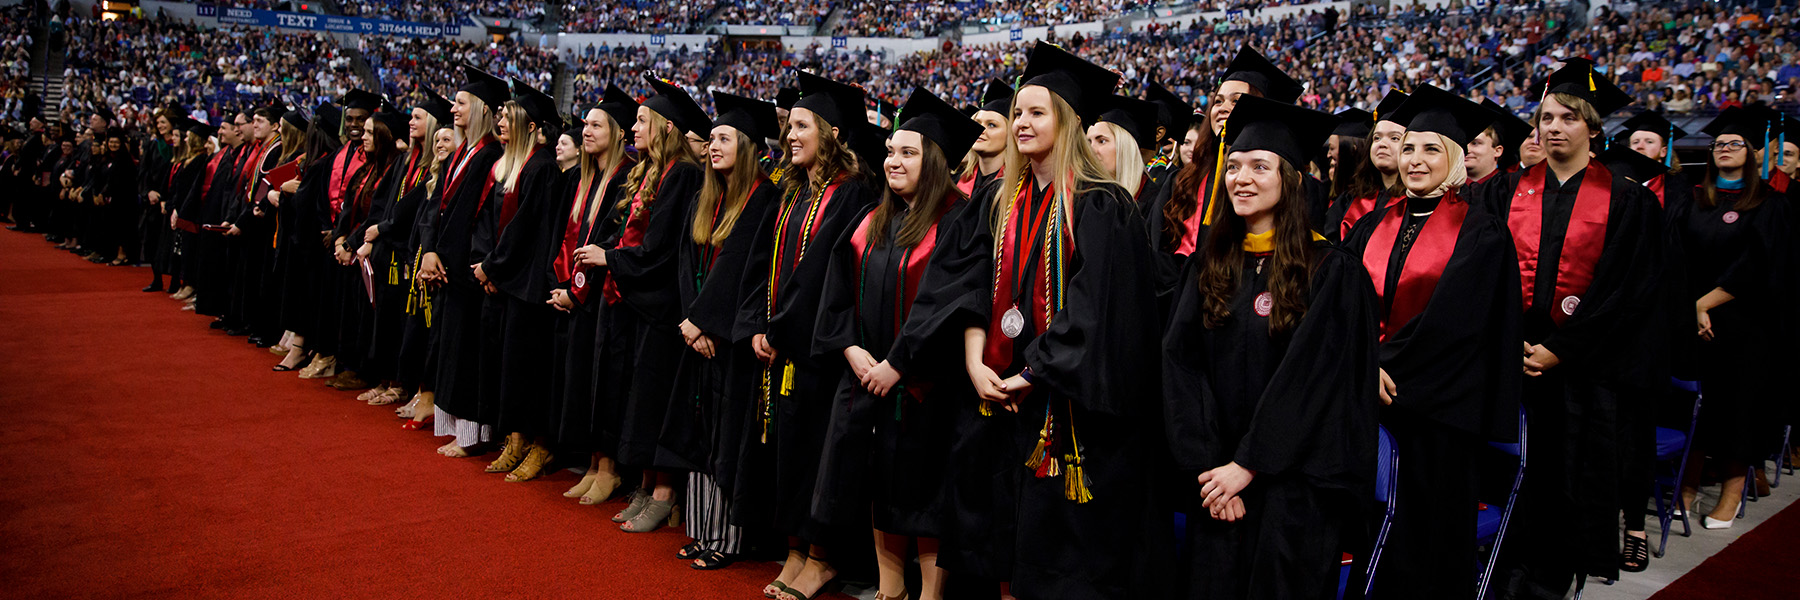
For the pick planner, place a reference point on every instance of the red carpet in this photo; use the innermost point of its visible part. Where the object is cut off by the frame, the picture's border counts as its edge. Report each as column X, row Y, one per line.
column 1761, row 564
column 148, row 456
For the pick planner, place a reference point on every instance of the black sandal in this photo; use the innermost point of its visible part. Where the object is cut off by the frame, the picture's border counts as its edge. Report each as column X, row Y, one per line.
column 1636, row 557
column 305, row 357
column 711, row 560
column 690, row 551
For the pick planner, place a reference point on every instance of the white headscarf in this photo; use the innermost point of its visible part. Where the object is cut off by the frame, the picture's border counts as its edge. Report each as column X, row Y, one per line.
column 1459, row 174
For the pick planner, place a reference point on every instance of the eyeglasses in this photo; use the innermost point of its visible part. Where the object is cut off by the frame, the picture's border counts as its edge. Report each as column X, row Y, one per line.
column 1732, row 146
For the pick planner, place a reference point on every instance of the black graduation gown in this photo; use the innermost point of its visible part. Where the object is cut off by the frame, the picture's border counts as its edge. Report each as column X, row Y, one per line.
column 178, row 242
column 584, row 424
column 1455, row 365
column 398, row 303
column 641, row 323
column 1745, row 252
column 379, row 336
column 516, row 357
column 303, row 246
column 212, row 209
column 1611, row 360
column 456, row 346
column 1298, row 408
column 887, row 451
column 704, row 428
column 356, row 312
column 779, row 458
column 250, row 307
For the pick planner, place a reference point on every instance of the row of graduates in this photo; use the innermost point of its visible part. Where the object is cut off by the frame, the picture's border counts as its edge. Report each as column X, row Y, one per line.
column 1021, row 374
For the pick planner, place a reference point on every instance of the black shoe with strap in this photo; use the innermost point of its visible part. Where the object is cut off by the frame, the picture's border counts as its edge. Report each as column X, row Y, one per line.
column 1636, row 556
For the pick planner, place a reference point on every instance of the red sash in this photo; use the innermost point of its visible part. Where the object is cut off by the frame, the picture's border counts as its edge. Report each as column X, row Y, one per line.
column 1357, row 209
column 998, row 352
column 212, row 170
column 1655, row 185
column 1425, row 262
column 459, row 168
column 781, row 233
column 1582, row 243
column 347, row 162
column 1779, row 181
column 913, row 265
column 967, row 186
column 637, row 222
column 509, row 203
column 247, row 171
column 1190, row 240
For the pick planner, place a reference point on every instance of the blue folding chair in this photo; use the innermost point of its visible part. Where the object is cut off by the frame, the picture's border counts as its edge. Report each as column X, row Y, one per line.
column 1674, row 446
column 1490, row 528
column 1387, row 467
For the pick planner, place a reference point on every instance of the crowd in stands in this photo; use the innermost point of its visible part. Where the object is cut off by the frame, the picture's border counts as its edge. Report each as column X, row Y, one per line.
column 773, row 12
column 885, row 18
column 1051, row 12
column 593, row 68
column 15, row 64
column 635, row 16
column 405, row 63
column 421, row 11
column 1695, row 60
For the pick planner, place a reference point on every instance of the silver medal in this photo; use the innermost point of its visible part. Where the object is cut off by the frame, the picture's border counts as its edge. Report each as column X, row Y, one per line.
column 1012, row 323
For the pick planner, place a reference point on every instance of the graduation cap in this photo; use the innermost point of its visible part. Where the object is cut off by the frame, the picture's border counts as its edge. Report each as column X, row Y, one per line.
column 1384, row 111
column 939, row 122
column 202, row 129
column 1171, row 111
column 674, row 104
column 1653, row 122
column 1292, row 132
column 754, row 118
column 1354, row 122
column 277, row 110
column 997, row 97
column 1578, row 78
column 395, row 121
column 618, row 105
column 328, row 117
column 884, row 108
column 1740, row 121
column 105, row 113
column 1432, row 110
column 539, row 107
column 1087, row 87
column 786, row 97
column 361, row 99
column 436, row 106
column 490, row 90
column 1637, row 167
column 296, row 119
column 836, row 103
column 1252, row 68
column 1512, row 131
column 1136, row 117
column 869, row 142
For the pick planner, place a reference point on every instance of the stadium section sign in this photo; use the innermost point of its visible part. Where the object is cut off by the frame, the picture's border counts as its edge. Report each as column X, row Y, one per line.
column 316, row 22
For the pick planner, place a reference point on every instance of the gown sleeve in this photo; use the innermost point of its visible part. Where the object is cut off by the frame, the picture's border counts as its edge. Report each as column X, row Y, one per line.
column 955, row 291
column 790, row 331
column 715, row 306
column 650, row 265
column 1096, row 350
column 835, row 329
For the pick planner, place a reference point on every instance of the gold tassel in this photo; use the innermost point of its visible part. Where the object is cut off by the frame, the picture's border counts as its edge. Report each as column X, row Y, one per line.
column 766, row 412
column 1036, row 460
column 1075, row 483
column 787, row 379
column 986, row 408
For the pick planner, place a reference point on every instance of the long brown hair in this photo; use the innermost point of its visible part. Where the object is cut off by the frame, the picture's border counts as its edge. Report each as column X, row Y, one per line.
column 1355, row 176
column 1184, row 196
column 1290, row 277
column 667, row 146
column 732, row 191
column 368, row 178
column 832, row 158
column 936, row 189
column 1753, row 191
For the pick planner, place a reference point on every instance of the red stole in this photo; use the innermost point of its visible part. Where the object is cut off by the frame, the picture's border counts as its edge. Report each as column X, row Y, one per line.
column 637, row 222
column 1655, row 185
column 458, row 168
column 1190, row 239
column 345, row 164
column 1425, row 262
column 247, row 171
column 1031, row 213
column 565, row 259
column 912, row 266
column 509, row 203
column 1582, row 243
column 1779, row 180
column 212, row 170
column 813, row 221
column 1357, row 209
column 967, row 186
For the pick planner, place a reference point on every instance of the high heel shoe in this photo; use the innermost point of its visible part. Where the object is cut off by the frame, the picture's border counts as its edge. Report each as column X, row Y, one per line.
column 416, row 425
column 1707, row 522
column 581, row 487
column 371, row 393
column 602, row 490
column 535, row 459
column 283, row 367
column 654, row 514
column 322, row 367
column 406, row 411
column 510, row 456
column 637, row 499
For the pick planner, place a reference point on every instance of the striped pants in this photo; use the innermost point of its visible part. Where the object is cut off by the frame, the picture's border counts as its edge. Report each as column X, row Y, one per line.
column 707, row 511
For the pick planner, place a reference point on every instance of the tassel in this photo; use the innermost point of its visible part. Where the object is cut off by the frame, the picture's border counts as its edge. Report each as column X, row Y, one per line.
column 787, row 379
column 767, row 412
column 1218, row 179
column 1037, row 461
column 1669, row 157
column 1075, row 482
column 986, row 408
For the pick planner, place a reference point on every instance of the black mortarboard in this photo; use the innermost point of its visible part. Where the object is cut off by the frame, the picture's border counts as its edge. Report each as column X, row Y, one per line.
column 328, row 117
column 1087, row 87
column 436, row 105
column 997, row 97
column 203, row 129
column 1741, row 121
column 1173, row 112
column 618, row 105
column 1354, row 122
column 1251, row 67
column 1624, row 161
column 674, row 104
column 869, row 142
column 1578, row 78
column 786, row 97
column 105, row 113
column 1136, row 117
column 1389, row 103
column 539, row 107
column 885, row 109
column 838, row 104
column 395, row 121
column 1433, row 110
column 1292, row 132
column 1512, row 131
column 295, row 118
column 490, row 90
column 361, row 99
column 754, row 118
column 1653, row 122
column 940, row 122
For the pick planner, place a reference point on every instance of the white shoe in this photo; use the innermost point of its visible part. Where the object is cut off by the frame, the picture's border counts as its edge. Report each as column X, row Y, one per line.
column 1707, row 522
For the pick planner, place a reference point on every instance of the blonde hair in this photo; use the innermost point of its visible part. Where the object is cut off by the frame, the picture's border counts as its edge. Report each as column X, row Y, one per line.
column 732, row 191
column 600, row 165
column 481, row 121
column 1077, row 167
column 667, row 146
column 521, row 139
column 1128, row 159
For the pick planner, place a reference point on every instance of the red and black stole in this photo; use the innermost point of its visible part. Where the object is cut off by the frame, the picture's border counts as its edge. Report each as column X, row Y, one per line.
column 1582, row 243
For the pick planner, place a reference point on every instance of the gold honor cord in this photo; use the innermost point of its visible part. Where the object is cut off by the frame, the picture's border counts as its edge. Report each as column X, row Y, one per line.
column 787, row 369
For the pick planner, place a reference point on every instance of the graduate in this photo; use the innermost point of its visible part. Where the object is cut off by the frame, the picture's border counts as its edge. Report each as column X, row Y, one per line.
column 293, row 125
column 334, row 296
column 210, row 207
column 1442, row 269
column 1384, row 153
column 1352, row 174
column 1734, row 241
column 258, row 307
column 889, row 435
column 982, row 165
column 703, row 430
column 1651, row 135
column 590, row 193
column 304, row 284
column 1116, row 140
column 822, row 197
column 515, row 239
column 445, row 241
column 365, row 285
column 642, row 292
column 1496, row 149
column 1589, row 252
column 1174, row 118
column 1269, row 376
column 392, row 243
column 188, row 167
